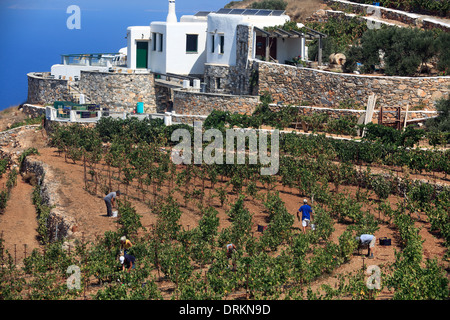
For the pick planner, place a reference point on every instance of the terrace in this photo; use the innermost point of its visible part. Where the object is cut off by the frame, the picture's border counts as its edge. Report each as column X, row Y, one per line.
column 72, row 64
column 95, row 59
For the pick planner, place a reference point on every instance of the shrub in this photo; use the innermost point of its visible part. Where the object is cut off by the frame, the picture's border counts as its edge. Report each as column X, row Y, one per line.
column 442, row 45
column 270, row 4
column 404, row 49
column 128, row 219
column 442, row 122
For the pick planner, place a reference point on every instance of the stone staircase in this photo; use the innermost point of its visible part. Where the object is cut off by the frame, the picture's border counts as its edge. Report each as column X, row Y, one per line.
column 76, row 94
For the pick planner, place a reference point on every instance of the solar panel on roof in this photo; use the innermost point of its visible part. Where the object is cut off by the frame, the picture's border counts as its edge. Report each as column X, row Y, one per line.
column 250, row 12
column 237, row 11
column 202, row 13
column 278, row 12
column 224, row 11
column 264, row 12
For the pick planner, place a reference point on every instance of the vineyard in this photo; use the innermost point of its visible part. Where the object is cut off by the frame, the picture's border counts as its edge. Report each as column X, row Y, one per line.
column 234, row 203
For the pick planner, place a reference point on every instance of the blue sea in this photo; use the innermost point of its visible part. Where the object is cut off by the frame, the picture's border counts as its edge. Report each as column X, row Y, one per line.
column 34, row 33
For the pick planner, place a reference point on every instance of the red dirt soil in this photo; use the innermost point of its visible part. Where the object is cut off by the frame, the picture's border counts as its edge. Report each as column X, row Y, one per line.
column 19, row 224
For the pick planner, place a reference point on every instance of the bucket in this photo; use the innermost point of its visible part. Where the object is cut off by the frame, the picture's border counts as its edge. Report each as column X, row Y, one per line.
column 115, row 213
column 140, row 107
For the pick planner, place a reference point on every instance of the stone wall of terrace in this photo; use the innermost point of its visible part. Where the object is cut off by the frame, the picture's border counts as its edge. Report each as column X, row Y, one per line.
column 411, row 19
column 119, row 91
column 42, row 89
column 198, row 103
column 294, row 85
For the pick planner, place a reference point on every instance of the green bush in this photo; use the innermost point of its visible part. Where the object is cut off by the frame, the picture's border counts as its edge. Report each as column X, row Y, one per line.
column 405, row 50
column 269, row 4
column 442, row 45
column 439, row 7
column 440, row 124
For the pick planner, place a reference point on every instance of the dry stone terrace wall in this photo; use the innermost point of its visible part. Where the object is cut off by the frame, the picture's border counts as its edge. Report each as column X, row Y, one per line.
column 198, row 103
column 390, row 14
column 59, row 224
column 293, row 85
column 42, row 90
column 119, row 91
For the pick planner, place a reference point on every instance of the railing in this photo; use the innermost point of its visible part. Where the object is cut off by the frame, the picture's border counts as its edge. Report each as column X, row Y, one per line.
column 86, row 116
column 95, row 59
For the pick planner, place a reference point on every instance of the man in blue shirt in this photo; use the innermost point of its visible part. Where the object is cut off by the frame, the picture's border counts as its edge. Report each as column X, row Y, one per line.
column 306, row 211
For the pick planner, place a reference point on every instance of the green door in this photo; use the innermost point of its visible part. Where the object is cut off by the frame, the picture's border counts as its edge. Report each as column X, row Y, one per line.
column 141, row 55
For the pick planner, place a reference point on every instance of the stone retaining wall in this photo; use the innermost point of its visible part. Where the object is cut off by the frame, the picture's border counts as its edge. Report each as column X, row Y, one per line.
column 389, row 114
column 187, row 119
column 32, row 110
column 163, row 98
column 42, row 90
column 59, row 224
column 294, row 85
column 119, row 91
column 198, row 103
column 390, row 14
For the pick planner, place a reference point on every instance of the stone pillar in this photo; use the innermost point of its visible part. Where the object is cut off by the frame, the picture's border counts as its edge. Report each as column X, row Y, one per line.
column 168, row 118
column 73, row 116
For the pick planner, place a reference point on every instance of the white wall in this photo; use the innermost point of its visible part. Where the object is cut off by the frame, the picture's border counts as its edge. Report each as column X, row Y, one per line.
column 69, row 72
column 174, row 58
column 157, row 59
column 134, row 34
column 290, row 48
column 226, row 24
column 178, row 60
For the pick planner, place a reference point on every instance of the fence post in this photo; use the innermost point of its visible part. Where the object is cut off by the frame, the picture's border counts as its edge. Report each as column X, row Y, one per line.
column 73, row 116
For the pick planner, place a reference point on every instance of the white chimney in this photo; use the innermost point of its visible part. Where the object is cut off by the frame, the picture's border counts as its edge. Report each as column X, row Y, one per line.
column 171, row 16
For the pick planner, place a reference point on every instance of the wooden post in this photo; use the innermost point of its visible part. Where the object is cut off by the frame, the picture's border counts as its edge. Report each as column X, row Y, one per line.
column 380, row 116
column 267, row 49
column 406, row 116
column 369, row 110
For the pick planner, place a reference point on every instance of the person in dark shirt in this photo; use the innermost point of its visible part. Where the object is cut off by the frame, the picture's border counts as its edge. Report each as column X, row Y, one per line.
column 128, row 262
column 231, row 248
column 306, row 211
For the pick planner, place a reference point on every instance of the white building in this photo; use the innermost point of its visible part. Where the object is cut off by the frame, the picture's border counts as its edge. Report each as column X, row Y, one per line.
column 184, row 46
column 222, row 29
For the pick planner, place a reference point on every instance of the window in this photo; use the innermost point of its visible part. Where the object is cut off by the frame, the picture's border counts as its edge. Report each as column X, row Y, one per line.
column 192, row 43
column 213, row 43
column 222, row 43
column 154, row 41
column 161, row 44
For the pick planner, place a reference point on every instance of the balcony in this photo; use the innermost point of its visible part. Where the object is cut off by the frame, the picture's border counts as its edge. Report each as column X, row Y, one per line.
column 95, row 60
